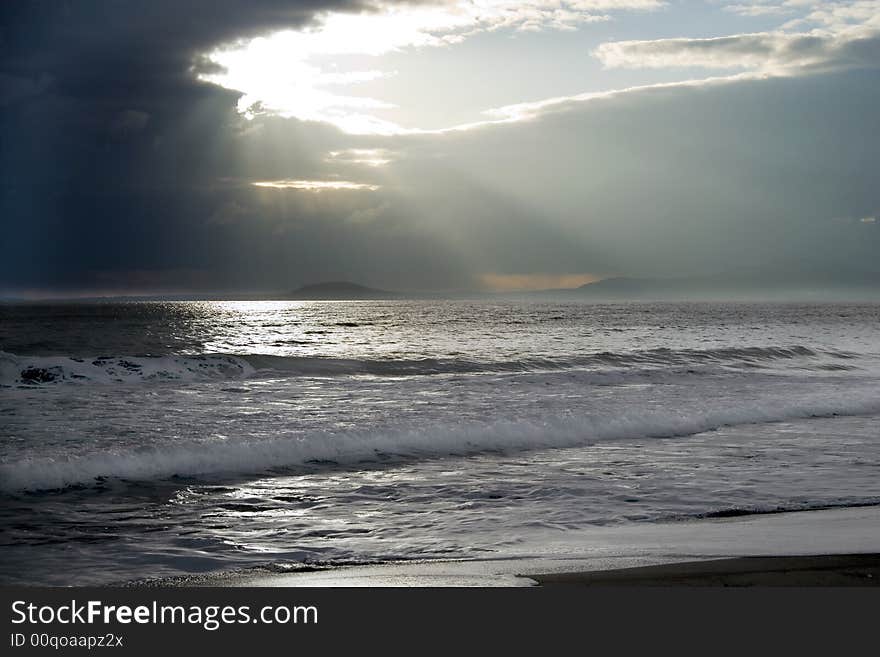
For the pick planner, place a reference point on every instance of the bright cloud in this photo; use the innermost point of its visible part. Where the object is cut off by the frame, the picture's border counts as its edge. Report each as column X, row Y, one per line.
column 758, row 9
column 298, row 73
column 279, row 73
column 371, row 157
column 316, row 185
column 839, row 13
column 528, row 111
column 837, row 37
column 772, row 52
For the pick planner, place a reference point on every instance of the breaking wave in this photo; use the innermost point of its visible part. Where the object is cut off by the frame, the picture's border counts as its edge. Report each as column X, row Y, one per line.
column 343, row 448
column 40, row 370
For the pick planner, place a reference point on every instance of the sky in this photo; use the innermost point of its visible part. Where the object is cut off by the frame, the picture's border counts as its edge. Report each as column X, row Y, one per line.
column 234, row 146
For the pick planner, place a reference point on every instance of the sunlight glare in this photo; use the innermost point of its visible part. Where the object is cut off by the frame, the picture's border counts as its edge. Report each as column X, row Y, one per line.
column 278, row 73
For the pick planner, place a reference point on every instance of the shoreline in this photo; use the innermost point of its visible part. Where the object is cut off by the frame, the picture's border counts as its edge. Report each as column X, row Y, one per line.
column 826, row 570
column 834, row 547
column 846, row 570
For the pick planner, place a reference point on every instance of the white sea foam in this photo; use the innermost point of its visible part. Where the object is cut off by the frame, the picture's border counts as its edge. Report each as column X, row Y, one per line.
column 252, row 455
column 43, row 370
column 37, row 370
column 281, row 427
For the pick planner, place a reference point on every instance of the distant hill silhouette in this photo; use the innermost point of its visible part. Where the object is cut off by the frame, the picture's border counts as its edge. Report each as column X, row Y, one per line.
column 745, row 285
column 339, row 291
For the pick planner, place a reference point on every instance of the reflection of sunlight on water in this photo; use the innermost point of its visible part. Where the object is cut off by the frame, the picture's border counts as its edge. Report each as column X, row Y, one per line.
column 500, row 503
column 324, row 461
column 449, row 329
column 256, row 327
column 334, row 329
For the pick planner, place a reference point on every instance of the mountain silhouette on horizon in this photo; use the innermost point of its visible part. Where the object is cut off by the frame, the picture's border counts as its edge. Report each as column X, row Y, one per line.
column 740, row 284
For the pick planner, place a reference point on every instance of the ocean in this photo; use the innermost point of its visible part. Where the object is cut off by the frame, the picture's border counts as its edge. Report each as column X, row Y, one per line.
column 160, row 439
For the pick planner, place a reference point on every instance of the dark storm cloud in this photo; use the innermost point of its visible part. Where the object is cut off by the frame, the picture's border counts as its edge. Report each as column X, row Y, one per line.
column 122, row 172
column 113, row 56
column 97, row 66
column 110, row 144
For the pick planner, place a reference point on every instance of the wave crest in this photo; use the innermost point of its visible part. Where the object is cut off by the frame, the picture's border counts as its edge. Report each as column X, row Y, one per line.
column 36, row 370
column 251, row 456
column 39, row 370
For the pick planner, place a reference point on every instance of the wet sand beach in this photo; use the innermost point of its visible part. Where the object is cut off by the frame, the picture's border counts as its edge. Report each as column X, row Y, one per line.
column 833, row 547
column 820, row 570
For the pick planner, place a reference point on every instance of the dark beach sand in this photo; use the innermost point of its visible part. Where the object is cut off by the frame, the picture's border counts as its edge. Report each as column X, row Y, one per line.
column 830, row 570
column 823, row 570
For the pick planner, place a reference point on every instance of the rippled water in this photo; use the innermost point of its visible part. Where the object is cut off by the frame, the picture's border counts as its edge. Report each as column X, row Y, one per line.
column 147, row 439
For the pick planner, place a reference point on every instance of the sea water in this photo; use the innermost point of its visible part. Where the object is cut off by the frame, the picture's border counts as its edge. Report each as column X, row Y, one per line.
column 155, row 439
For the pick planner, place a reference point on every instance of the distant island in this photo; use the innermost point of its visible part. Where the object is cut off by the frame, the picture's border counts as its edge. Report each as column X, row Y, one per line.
column 339, row 291
column 738, row 285
column 743, row 285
